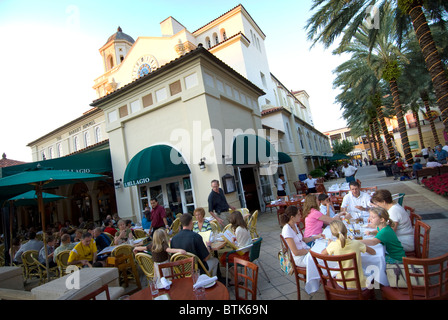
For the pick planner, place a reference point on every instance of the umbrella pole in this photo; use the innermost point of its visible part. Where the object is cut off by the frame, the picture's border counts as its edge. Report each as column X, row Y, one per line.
column 11, row 215
column 40, row 202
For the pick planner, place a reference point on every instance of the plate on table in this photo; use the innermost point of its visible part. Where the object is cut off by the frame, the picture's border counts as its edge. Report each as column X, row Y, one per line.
column 211, row 284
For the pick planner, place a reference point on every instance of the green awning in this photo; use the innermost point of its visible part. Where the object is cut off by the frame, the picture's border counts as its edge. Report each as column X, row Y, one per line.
column 154, row 163
column 87, row 162
column 338, row 156
column 284, row 158
column 252, row 149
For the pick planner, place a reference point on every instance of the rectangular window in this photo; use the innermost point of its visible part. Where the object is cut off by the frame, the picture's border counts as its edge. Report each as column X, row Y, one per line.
column 161, row 94
column 263, row 79
column 112, row 116
column 191, row 81
column 123, row 111
column 135, row 106
column 147, row 100
column 175, row 88
column 208, row 79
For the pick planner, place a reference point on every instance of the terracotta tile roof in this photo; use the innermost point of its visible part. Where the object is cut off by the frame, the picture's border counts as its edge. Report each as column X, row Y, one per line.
column 4, row 162
column 272, row 110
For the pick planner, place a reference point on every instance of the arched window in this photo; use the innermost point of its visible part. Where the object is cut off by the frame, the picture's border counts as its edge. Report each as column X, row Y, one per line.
column 216, row 39
column 86, row 139
column 59, row 147
column 97, row 134
column 110, row 62
column 50, row 153
column 223, row 34
column 208, row 42
column 75, row 143
column 300, row 138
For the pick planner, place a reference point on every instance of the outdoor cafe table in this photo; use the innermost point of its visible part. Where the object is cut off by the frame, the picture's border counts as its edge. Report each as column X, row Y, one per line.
column 375, row 264
column 182, row 289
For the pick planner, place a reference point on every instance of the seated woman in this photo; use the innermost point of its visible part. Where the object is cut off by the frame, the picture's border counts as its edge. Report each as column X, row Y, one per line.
column 290, row 232
column 385, row 235
column 314, row 219
column 344, row 245
column 402, row 222
column 242, row 239
column 123, row 234
column 200, row 225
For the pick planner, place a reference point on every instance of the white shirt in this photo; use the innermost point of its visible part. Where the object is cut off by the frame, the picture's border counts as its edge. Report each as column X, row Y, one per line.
column 445, row 147
column 243, row 238
column 310, row 183
column 280, row 184
column 323, row 209
column 350, row 202
column 424, row 152
column 349, row 171
column 405, row 231
column 288, row 232
column 433, row 164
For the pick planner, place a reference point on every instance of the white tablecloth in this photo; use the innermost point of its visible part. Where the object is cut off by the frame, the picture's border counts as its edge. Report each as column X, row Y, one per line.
column 340, row 187
column 374, row 266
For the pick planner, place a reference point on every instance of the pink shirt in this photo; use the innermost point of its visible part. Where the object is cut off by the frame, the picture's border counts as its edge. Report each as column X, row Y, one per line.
column 312, row 223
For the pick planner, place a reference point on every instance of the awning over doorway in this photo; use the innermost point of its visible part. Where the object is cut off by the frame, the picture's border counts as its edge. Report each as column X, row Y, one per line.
column 252, row 149
column 97, row 161
column 154, row 163
column 284, row 158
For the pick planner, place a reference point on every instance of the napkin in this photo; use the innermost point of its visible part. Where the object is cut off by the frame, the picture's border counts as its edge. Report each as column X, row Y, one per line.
column 204, row 280
column 164, row 284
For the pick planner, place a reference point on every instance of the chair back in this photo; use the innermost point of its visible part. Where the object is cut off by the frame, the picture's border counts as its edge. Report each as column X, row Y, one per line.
column 146, row 263
column 177, row 269
column 369, row 190
column 247, row 273
column 254, row 252
column 215, row 226
column 252, row 224
column 421, row 239
column 31, row 269
column 299, row 273
column 139, row 233
column 122, row 249
column 175, row 227
column 347, row 285
column 434, row 284
column 111, row 237
column 94, row 294
column 412, row 215
column 197, row 262
column 62, row 261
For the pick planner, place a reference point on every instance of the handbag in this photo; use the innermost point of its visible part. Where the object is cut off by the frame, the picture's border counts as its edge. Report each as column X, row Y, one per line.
column 397, row 277
column 285, row 264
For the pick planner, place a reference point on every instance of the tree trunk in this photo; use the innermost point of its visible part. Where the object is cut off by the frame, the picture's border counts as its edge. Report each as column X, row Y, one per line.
column 387, row 137
column 431, row 122
column 371, row 138
column 432, row 59
column 379, row 141
column 419, row 129
column 401, row 124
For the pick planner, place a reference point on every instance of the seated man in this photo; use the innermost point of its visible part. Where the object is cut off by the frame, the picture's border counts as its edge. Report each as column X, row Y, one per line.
column 84, row 254
column 51, row 241
column 355, row 201
column 192, row 242
column 32, row 244
column 66, row 244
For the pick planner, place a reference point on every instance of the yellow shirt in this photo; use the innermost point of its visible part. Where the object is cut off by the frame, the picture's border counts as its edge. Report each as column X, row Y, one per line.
column 82, row 252
column 334, row 248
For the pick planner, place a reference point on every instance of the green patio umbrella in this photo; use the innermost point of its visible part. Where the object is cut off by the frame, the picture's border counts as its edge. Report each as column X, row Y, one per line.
column 339, row 156
column 37, row 179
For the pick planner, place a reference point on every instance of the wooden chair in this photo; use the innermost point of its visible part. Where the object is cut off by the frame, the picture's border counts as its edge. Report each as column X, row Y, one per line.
column 197, row 262
column 320, row 188
column 369, row 190
column 178, row 269
column 432, row 283
column 146, row 263
column 247, row 273
column 421, row 240
column 94, row 294
column 30, row 267
column 412, row 215
column 62, row 262
column 122, row 257
column 299, row 272
column 280, row 211
column 252, row 225
column 338, row 288
column 301, row 226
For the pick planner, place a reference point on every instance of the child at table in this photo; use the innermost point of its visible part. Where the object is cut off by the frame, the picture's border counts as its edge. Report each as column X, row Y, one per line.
column 314, row 219
column 344, row 245
column 160, row 250
column 379, row 217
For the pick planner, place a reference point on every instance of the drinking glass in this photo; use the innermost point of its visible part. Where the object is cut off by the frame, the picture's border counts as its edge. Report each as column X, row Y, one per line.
column 154, row 288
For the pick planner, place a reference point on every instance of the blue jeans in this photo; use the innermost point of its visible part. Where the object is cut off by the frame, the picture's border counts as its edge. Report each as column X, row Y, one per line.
column 350, row 179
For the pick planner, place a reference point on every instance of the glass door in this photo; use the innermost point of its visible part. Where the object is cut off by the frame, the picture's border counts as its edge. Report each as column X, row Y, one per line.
column 239, row 187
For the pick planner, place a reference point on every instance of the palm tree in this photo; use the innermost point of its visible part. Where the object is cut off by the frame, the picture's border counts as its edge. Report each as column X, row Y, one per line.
column 385, row 59
column 335, row 18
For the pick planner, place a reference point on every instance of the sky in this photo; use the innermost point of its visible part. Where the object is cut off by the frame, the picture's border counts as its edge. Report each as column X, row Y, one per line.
column 49, row 56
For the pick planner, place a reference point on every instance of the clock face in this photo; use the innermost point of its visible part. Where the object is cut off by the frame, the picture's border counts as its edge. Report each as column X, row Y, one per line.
column 143, row 66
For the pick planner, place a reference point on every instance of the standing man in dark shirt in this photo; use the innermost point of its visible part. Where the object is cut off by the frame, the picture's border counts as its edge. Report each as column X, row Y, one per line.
column 192, row 242
column 217, row 202
column 158, row 216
